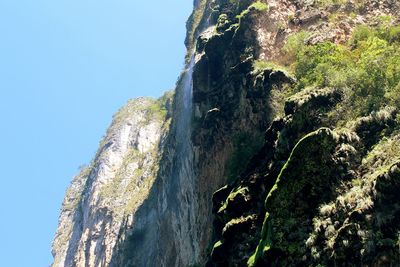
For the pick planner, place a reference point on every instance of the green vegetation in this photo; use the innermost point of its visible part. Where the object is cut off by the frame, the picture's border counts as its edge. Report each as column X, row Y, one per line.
column 153, row 109
column 159, row 108
column 240, row 192
column 139, row 191
column 258, row 6
column 368, row 66
column 295, row 44
column 223, row 22
column 112, row 187
column 74, row 192
column 277, row 96
column 323, row 185
column 217, row 245
column 193, row 24
column 261, row 65
column 385, row 153
column 362, row 197
column 133, row 179
column 325, row 3
column 308, row 169
column 265, row 243
column 367, row 72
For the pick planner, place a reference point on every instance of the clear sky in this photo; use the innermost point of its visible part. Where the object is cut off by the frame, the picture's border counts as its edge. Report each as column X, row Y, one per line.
column 66, row 66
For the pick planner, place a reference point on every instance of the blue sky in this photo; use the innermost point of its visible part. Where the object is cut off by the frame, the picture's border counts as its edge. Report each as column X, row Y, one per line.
column 66, row 67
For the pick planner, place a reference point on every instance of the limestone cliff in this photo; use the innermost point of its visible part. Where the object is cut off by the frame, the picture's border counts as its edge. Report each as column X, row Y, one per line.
column 113, row 186
column 279, row 147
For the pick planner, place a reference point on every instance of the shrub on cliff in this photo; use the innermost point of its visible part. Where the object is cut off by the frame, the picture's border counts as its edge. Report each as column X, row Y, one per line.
column 369, row 65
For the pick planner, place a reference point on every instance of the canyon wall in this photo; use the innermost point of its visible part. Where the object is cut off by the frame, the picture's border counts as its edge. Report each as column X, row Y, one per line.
column 271, row 151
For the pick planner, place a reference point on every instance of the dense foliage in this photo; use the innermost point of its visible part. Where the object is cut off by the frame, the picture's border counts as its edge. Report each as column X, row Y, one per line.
column 367, row 67
column 317, row 199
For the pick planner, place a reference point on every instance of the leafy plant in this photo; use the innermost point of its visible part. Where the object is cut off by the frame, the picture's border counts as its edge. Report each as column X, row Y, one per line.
column 258, row 6
column 369, row 65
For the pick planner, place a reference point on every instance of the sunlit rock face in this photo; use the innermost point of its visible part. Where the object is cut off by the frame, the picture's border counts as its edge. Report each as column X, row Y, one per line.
column 113, row 186
column 137, row 204
column 163, row 231
column 241, row 165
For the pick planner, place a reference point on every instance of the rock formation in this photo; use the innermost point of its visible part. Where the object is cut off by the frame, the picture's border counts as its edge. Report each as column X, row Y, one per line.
column 280, row 146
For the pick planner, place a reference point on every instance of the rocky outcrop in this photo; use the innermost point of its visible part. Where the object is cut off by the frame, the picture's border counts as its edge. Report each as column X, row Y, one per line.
column 316, row 204
column 113, row 186
column 266, row 216
column 244, row 165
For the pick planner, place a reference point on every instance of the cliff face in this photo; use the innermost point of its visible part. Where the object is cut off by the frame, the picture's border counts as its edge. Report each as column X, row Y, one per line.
column 280, row 147
column 311, row 195
column 113, row 186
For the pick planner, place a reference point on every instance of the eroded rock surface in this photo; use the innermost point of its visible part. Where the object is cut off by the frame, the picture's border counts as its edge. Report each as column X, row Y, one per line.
column 243, row 165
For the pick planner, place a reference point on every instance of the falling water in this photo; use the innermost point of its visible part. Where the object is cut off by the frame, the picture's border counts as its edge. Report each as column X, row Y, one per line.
column 188, row 86
column 184, row 196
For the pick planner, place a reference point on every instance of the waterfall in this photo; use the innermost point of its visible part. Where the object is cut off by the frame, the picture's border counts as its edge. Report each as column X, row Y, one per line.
column 188, row 86
column 166, row 231
column 164, row 225
column 183, row 191
column 185, row 116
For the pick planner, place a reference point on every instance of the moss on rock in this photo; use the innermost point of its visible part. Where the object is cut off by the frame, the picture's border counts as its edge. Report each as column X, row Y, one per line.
column 305, row 181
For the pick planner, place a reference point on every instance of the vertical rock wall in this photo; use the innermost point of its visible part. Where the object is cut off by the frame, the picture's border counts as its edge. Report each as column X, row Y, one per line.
column 113, row 185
